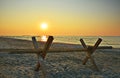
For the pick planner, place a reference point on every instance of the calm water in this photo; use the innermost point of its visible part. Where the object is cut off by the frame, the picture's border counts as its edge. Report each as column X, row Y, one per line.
column 90, row 40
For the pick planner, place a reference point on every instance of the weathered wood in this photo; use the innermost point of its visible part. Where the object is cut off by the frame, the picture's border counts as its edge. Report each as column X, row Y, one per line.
column 83, row 43
column 47, row 46
column 33, row 51
column 94, row 64
column 35, row 44
column 40, row 59
column 96, row 44
column 85, row 60
column 41, row 53
column 90, row 50
column 104, row 47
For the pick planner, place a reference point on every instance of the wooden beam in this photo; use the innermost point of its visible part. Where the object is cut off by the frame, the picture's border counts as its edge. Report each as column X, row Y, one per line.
column 83, row 43
column 90, row 50
column 96, row 44
column 20, row 51
column 35, row 44
column 40, row 59
column 32, row 51
column 104, row 47
column 47, row 46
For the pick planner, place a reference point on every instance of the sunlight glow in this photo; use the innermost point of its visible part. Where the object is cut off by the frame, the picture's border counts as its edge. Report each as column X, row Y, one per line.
column 44, row 38
column 44, row 26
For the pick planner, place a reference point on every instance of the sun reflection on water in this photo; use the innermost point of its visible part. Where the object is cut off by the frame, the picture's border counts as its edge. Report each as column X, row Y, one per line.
column 43, row 38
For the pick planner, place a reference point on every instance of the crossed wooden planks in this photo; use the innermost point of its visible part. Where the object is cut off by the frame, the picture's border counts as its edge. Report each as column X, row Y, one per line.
column 90, row 51
column 41, row 55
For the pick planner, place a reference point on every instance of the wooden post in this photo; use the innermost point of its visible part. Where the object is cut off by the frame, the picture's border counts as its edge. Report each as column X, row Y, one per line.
column 47, row 46
column 87, row 55
column 41, row 54
column 40, row 62
column 36, row 47
column 96, row 44
column 83, row 43
column 35, row 43
column 90, row 51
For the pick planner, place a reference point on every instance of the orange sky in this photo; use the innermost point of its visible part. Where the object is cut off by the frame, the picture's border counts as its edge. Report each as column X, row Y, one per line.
column 64, row 17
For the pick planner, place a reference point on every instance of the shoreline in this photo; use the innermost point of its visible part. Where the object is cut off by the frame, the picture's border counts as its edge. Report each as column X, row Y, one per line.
column 10, row 43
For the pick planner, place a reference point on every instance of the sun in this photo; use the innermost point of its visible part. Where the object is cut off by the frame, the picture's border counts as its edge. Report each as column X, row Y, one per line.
column 44, row 26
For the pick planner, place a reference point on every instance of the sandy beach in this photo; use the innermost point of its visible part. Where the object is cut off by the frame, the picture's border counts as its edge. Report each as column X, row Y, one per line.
column 59, row 65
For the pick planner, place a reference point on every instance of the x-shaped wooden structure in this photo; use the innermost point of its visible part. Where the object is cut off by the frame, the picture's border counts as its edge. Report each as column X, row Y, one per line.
column 41, row 54
column 90, row 50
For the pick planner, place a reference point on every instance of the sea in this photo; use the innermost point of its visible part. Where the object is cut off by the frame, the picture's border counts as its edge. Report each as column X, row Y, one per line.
column 113, row 41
